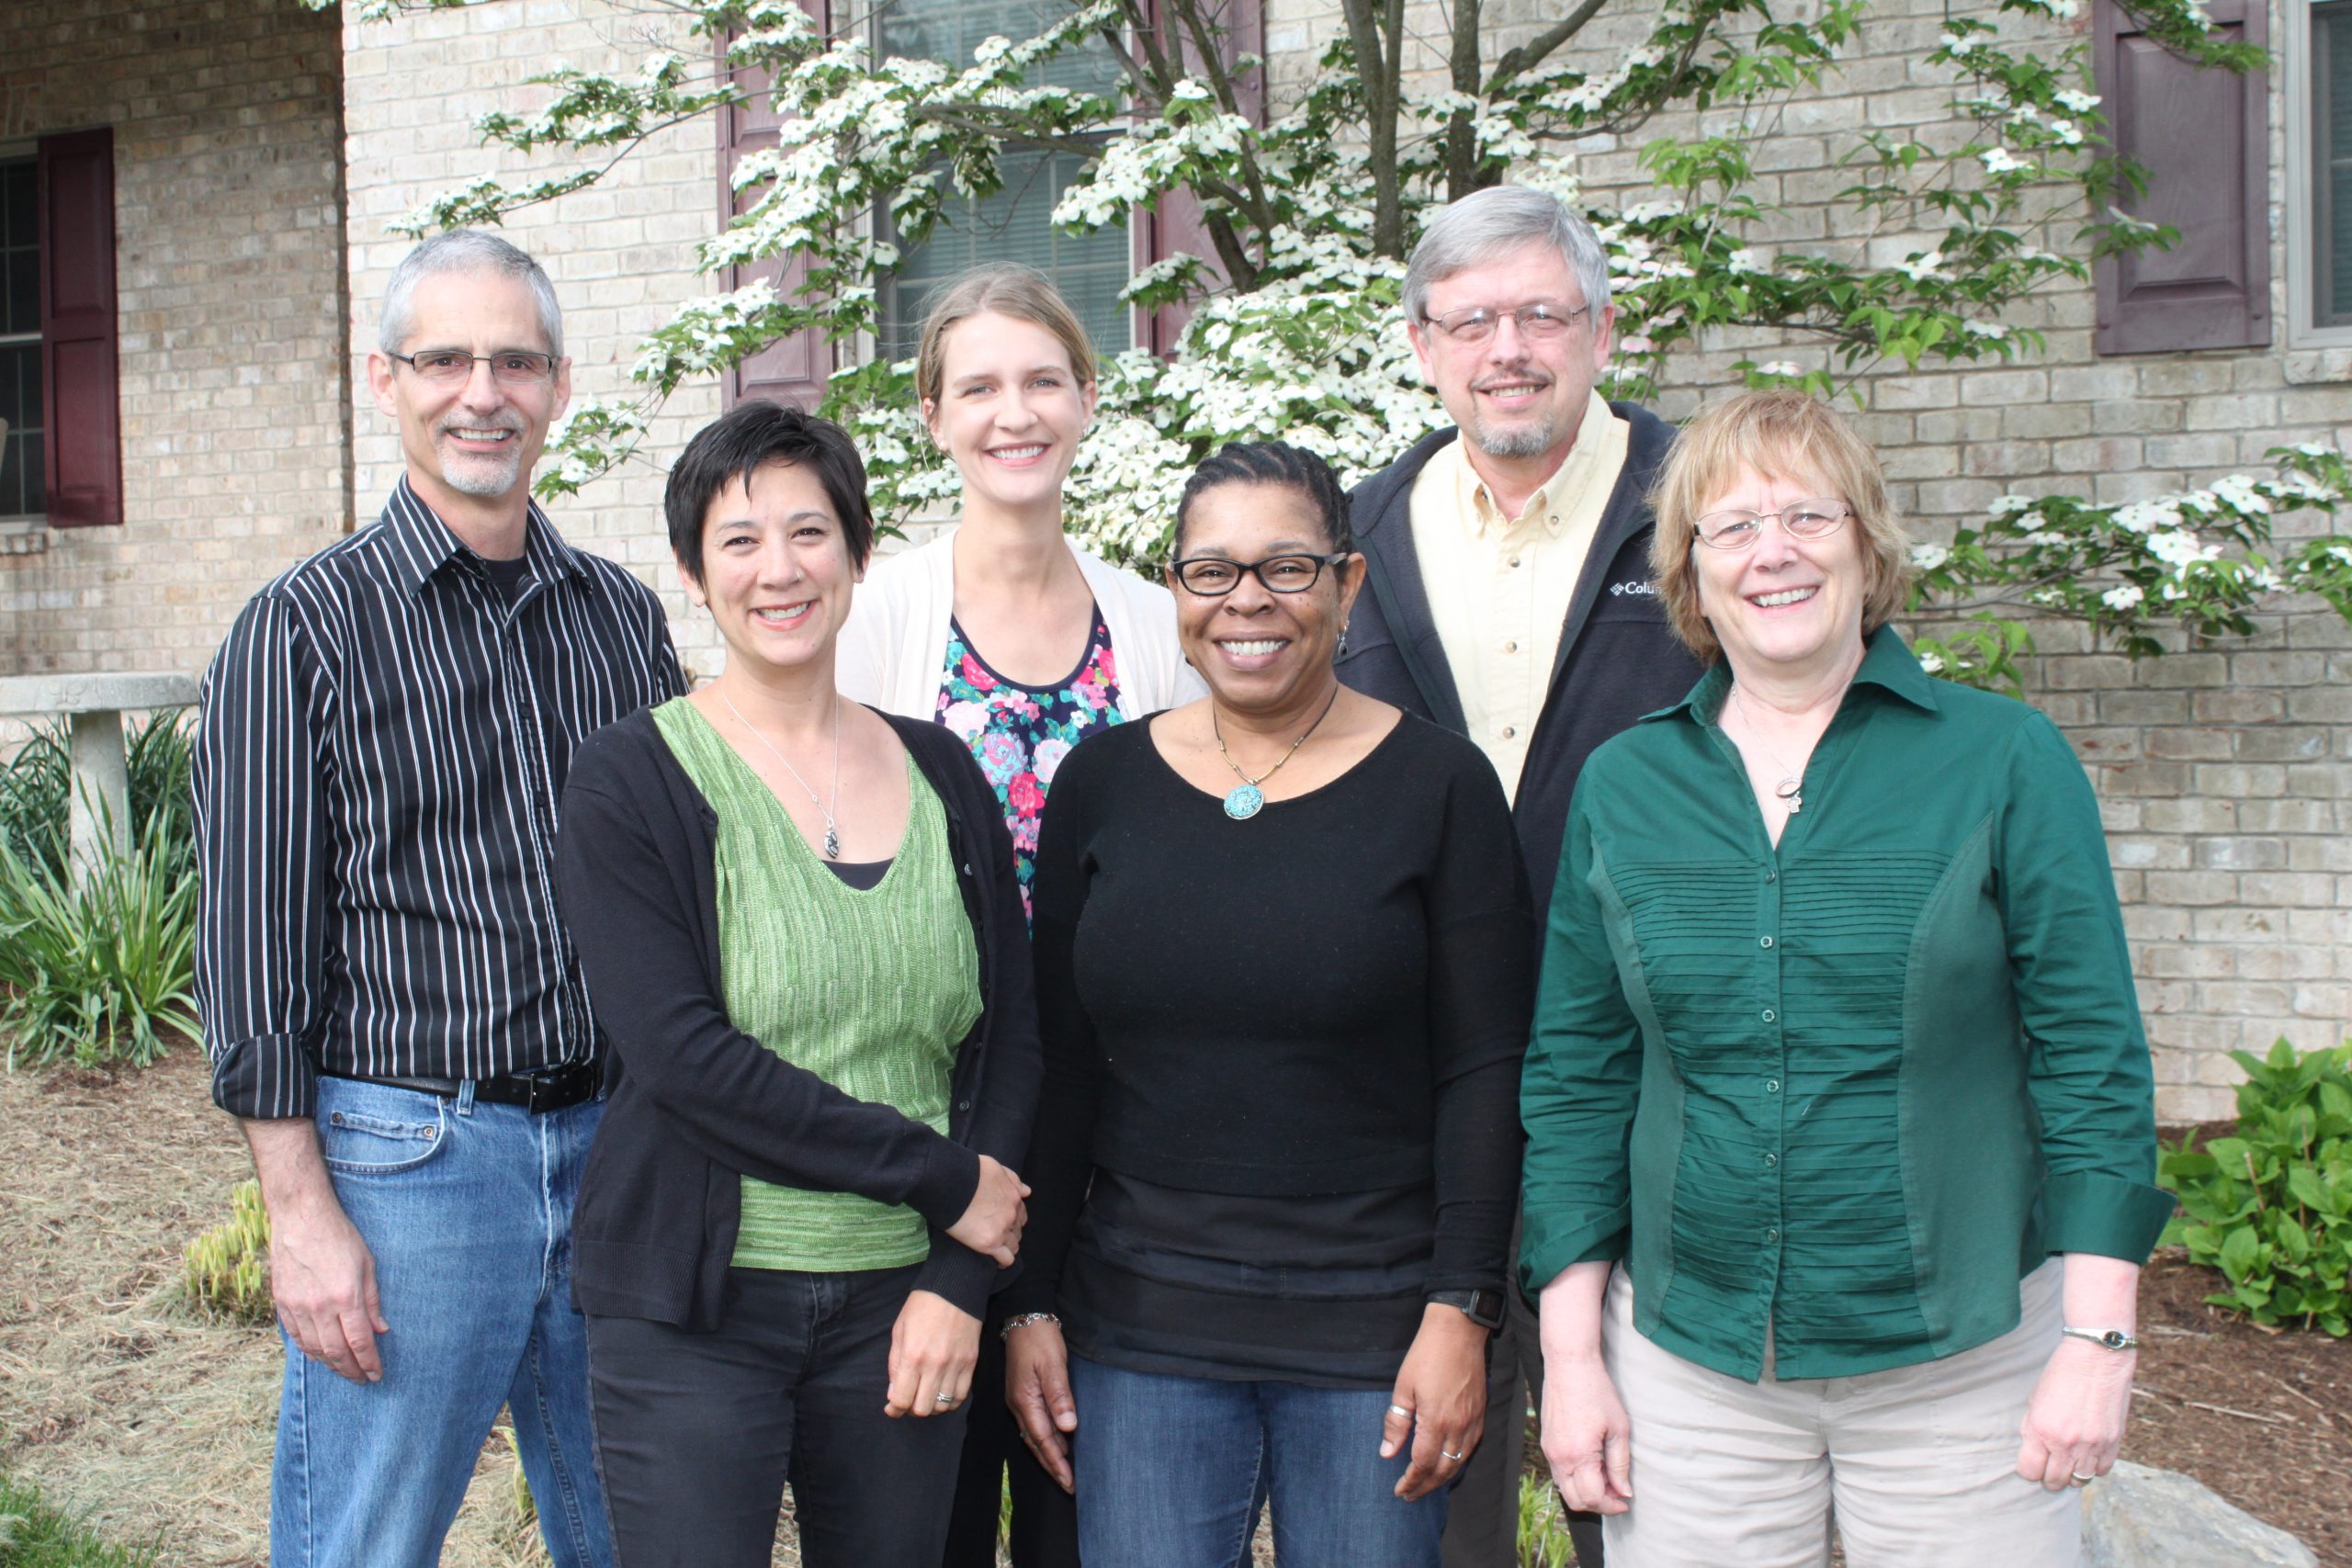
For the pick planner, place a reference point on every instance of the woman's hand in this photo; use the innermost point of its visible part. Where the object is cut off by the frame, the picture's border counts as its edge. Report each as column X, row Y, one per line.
column 1588, row 1441
column 1439, row 1400
column 1036, row 1388
column 992, row 1220
column 934, row 1348
column 2074, row 1423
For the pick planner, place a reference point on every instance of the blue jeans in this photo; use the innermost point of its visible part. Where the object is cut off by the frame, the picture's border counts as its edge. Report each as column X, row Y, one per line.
column 1172, row 1472
column 467, row 1210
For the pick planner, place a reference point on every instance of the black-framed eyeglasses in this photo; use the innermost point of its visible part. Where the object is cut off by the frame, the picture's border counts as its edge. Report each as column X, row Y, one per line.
column 515, row 367
column 1817, row 517
column 1211, row 576
column 1539, row 323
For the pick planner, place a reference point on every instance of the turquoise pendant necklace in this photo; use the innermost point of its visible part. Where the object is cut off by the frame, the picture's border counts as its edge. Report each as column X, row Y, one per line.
column 1245, row 800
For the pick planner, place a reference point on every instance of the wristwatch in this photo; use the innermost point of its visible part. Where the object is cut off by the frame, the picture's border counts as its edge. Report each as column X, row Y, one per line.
column 1484, row 1308
column 2112, row 1338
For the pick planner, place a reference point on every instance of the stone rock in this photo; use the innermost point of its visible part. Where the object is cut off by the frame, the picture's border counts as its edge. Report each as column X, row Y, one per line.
column 2139, row 1517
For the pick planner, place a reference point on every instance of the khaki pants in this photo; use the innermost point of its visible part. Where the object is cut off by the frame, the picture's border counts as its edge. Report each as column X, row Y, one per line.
column 1919, row 1464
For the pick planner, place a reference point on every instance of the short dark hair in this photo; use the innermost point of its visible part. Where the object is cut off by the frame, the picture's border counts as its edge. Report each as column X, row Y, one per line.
column 746, row 438
column 1272, row 463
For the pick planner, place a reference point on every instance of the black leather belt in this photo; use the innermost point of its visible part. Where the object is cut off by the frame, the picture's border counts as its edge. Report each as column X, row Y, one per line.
column 551, row 1089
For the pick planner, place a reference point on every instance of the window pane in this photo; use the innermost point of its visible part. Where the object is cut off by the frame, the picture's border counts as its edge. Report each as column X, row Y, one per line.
column 1014, row 224
column 21, row 491
column 2332, row 146
column 19, row 249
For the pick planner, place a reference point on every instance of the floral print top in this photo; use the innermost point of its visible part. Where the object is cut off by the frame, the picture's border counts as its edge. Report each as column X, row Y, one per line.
column 1020, row 733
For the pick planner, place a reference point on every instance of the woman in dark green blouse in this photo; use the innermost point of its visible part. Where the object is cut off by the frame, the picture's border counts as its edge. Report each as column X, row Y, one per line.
column 1837, row 1067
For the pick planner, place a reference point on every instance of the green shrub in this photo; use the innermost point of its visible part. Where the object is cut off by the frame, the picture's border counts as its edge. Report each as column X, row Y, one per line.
column 227, row 1267
column 2271, row 1208
column 97, row 973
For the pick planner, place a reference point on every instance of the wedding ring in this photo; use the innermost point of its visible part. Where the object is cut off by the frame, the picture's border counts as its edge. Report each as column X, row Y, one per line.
column 946, row 1400
column 2079, row 1479
column 1398, row 1410
column 1451, row 1455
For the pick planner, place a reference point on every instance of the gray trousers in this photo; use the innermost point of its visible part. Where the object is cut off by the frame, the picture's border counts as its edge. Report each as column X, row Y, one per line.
column 1482, row 1522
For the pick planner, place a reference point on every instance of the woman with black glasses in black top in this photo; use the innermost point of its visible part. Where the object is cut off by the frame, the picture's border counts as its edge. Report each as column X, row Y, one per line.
column 1283, row 961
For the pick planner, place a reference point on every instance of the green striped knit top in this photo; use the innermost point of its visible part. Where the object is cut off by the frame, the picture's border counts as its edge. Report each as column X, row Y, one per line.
column 872, row 991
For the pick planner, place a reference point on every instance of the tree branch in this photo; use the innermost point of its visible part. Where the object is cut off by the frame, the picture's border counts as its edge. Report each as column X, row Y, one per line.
column 1519, row 62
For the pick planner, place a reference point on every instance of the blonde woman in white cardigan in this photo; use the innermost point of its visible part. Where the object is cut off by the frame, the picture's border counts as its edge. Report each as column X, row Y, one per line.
column 1022, row 643
column 1005, row 630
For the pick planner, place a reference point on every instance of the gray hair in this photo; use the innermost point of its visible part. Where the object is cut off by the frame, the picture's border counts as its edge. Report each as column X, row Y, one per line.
column 464, row 250
column 1485, row 223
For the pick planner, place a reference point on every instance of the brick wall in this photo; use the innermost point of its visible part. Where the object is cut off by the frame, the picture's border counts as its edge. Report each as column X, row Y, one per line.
column 621, row 254
column 2224, row 770
column 228, row 267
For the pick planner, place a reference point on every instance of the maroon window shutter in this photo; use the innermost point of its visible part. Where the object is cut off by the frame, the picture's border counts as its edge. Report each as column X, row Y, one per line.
column 2203, row 136
column 1176, row 228
column 82, row 437
column 792, row 369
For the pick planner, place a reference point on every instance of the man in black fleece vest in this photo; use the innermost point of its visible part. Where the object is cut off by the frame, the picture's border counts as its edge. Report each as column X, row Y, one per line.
column 1511, row 601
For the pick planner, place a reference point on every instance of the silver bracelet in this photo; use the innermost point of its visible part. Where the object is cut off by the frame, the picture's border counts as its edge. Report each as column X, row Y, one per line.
column 1024, row 1319
column 2112, row 1338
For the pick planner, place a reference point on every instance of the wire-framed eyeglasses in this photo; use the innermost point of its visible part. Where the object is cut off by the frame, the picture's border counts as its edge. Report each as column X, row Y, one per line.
column 515, row 367
column 1211, row 576
column 1736, row 528
column 1540, row 322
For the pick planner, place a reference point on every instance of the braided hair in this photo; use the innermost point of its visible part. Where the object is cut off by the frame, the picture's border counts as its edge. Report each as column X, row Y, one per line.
column 1272, row 463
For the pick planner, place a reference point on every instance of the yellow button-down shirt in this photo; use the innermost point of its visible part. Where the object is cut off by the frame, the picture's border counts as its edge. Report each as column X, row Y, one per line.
column 1499, row 587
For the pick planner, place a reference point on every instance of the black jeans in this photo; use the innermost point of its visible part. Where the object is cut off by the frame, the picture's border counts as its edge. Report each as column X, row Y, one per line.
column 698, row 1434
column 1045, row 1517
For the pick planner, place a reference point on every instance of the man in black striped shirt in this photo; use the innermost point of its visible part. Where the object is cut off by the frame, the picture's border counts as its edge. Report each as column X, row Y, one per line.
column 390, row 1002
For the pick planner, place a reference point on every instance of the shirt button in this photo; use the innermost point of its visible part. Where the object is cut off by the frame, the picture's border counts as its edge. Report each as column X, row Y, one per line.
column 1772, row 1160
column 1768, row 1015
column 1763, row 942
column 1771, row 1085
column 1510, row 732
column 963, row 1105
column 1771, row 1235
column 1511, row 648
column 1514, row 560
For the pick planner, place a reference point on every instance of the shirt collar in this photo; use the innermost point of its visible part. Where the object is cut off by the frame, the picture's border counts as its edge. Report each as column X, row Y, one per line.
column 423, row 544
column 1887, row 664
column 1547, row 508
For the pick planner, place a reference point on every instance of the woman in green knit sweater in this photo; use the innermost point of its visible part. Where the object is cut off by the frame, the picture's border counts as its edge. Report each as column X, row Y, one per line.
column 789, row 1232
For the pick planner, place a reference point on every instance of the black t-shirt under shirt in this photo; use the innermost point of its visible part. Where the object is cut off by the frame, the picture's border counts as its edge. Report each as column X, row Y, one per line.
column 1284, row 1053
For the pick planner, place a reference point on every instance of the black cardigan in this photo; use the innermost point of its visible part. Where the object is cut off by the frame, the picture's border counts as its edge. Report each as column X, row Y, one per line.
column 696, row 1104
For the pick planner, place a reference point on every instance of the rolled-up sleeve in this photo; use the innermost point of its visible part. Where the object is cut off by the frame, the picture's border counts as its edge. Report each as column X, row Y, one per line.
column 2088, row 1067
column 261, row 854
column 1582, row 1081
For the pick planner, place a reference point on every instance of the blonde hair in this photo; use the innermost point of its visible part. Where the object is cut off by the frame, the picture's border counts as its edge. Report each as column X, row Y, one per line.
column 1777, row 435
column 1020, row 292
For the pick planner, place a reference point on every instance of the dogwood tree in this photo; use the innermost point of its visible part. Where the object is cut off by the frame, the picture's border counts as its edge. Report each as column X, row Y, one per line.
column 1309, row 203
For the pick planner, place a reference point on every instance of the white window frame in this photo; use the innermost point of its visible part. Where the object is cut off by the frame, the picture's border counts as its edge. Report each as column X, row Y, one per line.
column 2292, row 61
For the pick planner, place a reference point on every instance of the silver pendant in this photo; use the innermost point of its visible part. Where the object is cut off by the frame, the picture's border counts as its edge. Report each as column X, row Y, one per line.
column 1791, row 791
column 1244, row 801
column 832, row 842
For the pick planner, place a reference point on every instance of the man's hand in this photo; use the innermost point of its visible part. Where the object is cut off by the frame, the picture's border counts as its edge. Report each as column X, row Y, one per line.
column 321, row 1273
column 992, row 1220
column 1036, row 1388
column 934, row 1348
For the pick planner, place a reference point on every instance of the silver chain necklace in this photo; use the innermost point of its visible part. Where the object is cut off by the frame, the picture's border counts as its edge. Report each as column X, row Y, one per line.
column 1792, row 785
column 832, row 834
